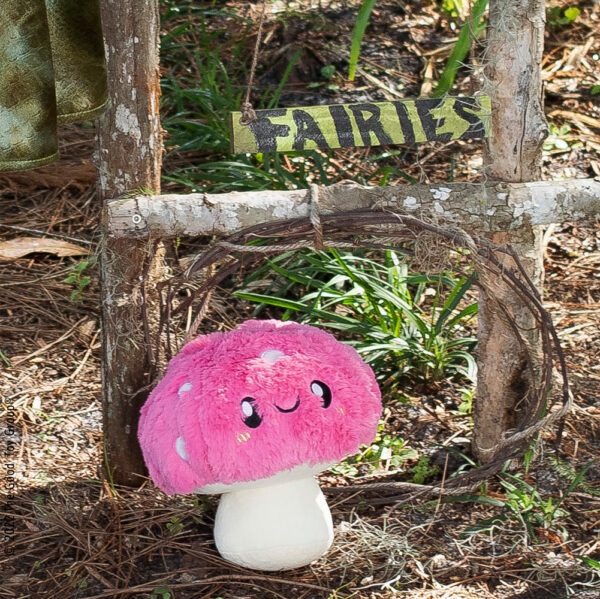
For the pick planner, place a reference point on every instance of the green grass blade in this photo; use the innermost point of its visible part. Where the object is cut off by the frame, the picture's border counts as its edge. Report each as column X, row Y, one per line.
column 300, row 307
column 485, row 524
column 464, row 314
column 577, row 480
column 589, row 561
column 277, row 93
column 470, row 371
column 458, row 292
column 474, row 499
column 362, row 20
column 461, row 49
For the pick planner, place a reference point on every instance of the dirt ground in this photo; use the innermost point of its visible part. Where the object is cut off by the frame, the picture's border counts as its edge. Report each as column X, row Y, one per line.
column 68, row 532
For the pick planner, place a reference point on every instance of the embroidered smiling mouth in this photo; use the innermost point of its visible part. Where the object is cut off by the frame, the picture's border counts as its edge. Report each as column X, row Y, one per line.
column 294, row 407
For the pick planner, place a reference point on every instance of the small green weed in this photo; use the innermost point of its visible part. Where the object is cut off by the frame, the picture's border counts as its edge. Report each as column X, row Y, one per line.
column 161, row 593
column 523, row 506
column 387, row 452
column 346, row 468
column 559, row 17
column 360, row 25
column 5, row 359
column 174, row 525
column 79, row 280
column 328, row 72
column 471, row 30
column 423, row 470
column 566, row 471
column 330, row 79
column 560, row 139
column 454, row 8
column 466, row 400
column 589, row 561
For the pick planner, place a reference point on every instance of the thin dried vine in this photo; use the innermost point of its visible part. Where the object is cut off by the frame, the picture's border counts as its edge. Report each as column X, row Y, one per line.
column 390, row 230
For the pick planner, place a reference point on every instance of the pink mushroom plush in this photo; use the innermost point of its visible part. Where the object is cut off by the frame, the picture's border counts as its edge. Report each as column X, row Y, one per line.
column 254, row 414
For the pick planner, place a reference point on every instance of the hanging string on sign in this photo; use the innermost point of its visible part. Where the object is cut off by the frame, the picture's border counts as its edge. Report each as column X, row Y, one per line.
column 248, row 113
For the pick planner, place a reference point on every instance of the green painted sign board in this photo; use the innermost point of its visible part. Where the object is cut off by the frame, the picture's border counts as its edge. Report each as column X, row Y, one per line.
column 362, row 124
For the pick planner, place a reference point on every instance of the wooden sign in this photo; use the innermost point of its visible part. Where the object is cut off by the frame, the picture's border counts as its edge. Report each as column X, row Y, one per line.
column 361, row 124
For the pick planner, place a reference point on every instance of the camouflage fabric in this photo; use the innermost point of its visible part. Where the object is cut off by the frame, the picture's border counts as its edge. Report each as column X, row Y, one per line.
column 52, row 71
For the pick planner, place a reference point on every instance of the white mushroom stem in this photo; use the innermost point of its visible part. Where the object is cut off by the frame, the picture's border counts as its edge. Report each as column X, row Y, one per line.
column 278, row 526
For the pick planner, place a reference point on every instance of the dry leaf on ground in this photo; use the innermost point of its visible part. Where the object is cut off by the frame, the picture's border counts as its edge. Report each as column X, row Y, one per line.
column 21, row 246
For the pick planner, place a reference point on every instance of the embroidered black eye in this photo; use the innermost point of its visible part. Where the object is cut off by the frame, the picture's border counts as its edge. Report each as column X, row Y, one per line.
column 323, row 391
column 251, row 416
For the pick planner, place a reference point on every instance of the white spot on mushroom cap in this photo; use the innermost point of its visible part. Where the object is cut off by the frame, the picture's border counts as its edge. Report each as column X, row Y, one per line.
column 180, row 448
column 272, row 355
column 185, row 387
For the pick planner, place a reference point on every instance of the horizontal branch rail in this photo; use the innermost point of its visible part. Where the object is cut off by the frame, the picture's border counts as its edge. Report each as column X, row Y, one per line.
column 475, row 207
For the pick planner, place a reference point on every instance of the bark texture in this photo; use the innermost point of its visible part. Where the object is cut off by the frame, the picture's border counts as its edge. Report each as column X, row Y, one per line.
column 495, row 207
column 515, row 44
column 129, row 150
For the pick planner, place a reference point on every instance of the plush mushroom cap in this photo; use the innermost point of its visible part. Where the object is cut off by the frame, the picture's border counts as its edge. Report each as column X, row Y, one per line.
column 269, row 397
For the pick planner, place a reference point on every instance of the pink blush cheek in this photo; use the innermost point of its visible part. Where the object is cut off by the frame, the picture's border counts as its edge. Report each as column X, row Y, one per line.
column 323, row 434
column 222, row 447
column 352, row 418
column 239, row 452
column 245, row 453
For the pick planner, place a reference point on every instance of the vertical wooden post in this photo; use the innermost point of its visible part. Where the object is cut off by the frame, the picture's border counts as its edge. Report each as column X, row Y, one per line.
column 129, row 152
column 514, row 77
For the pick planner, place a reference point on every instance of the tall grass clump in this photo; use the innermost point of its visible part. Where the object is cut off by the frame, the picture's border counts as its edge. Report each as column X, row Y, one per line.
column 404, row 325
column 204, row 80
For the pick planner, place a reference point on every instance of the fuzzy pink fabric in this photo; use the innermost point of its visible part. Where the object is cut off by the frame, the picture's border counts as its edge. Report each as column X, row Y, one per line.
column 244, row 405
